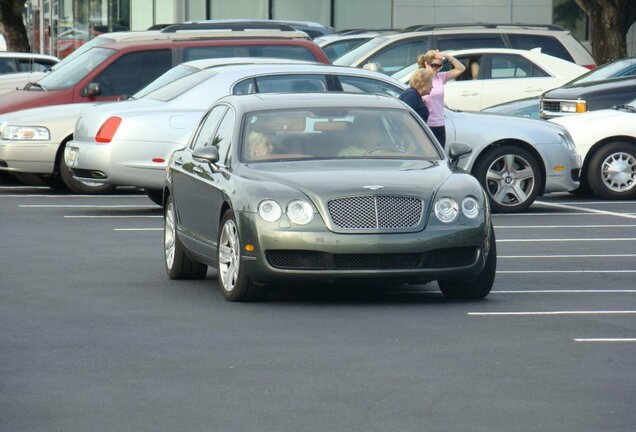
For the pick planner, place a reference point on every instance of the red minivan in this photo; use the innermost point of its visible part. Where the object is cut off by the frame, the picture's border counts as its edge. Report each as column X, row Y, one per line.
column 109, row 72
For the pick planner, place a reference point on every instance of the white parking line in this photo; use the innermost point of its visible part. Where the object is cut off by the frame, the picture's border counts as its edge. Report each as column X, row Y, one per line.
column 138, row 229
column 597, row 202
column 606, row 340
column 623, row 312
column 87, row 206
column 111, row 216
column 498, row 215
column 591, row 210
column 560, row 226
column 561, row 271
column 70, row 196
column 565, row 256
column 563, row 240
column 561, row 291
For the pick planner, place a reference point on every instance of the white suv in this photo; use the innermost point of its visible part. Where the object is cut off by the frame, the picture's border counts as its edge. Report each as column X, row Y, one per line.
column 390, row 53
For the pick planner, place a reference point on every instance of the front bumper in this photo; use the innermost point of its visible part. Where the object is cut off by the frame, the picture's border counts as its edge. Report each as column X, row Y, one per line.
column 123, row 163
column 313, row 252
column 563, row 168
column 28, row 156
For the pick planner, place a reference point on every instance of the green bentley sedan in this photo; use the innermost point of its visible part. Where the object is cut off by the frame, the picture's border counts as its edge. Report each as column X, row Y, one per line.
column 324, row 187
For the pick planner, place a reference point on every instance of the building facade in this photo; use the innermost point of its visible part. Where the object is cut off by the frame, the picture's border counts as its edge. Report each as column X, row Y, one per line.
column 58, row 26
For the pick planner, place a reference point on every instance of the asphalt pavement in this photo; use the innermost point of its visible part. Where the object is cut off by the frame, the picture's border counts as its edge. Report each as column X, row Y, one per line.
column 95, row 337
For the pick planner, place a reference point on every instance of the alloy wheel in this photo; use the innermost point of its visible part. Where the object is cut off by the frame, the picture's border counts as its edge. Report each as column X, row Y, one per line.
column 229, row 255
column 169, row 235
column 510, row 180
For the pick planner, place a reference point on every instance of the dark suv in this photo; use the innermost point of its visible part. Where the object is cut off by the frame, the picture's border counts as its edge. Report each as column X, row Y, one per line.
column 109, row 72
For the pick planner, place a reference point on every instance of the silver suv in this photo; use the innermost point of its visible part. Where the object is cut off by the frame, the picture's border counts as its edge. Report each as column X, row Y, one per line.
column 390, row 53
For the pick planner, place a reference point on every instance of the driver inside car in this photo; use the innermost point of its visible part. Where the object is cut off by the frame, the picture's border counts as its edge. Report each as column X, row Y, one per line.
column 367, row 138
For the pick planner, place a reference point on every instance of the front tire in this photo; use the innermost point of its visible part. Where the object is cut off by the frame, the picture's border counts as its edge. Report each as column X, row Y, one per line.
column 510, row 176
column 612, row 171
column 178, row 264
column 234, row 283
column 476, row 287
column 155, row 195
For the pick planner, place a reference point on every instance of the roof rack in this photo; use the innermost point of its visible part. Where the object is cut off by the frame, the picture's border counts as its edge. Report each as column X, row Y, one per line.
column 429, row 27
column 243, row 26
column 348, row 32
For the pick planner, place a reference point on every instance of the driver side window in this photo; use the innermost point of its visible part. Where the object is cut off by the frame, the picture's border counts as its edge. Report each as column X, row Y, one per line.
column 204, row 137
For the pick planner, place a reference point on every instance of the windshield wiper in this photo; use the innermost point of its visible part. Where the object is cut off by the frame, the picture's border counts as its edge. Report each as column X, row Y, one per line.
column 625, row 107
column 31, row 85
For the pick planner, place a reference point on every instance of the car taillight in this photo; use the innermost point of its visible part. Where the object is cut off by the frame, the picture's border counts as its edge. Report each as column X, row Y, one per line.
column 590, row 67
column 107, row 130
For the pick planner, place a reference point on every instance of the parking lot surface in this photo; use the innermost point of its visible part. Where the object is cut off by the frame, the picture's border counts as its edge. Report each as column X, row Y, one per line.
column 95, row 337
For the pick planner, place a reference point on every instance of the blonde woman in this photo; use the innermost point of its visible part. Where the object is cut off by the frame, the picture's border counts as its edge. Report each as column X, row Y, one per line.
column 433, row 60
column 421, row 83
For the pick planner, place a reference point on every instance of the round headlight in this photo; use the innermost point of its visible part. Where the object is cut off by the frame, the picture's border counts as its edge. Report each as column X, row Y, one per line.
column 300, row 212
column 270, row 210
column 446, row 209
column 470, row 207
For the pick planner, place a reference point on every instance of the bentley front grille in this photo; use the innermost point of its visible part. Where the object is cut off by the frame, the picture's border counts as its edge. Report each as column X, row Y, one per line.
column 383, row 212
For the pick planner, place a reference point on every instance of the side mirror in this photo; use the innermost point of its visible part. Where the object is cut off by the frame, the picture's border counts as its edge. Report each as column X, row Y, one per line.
column 457, row 150
column 92, row 90
column 209, row 154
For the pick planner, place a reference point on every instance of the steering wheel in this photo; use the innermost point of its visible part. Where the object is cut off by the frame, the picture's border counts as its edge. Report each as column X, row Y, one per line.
column 386, row 149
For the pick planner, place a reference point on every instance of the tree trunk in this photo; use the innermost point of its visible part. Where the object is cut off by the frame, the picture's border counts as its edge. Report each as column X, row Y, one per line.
column 609, row 20
column 13, row 25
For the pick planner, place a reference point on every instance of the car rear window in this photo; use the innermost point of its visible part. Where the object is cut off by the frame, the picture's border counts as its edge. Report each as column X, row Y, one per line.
column 180, row 86
column 293, row 52
column 548, row 44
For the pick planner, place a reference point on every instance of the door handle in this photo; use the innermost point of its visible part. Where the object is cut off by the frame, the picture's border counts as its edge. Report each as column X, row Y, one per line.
column 197, row 169
column 533, row 89
column 469, row 93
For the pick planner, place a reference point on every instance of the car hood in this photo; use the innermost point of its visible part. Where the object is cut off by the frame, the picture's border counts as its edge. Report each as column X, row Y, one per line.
column 491, row 127
column 327, row 179
column 599, row 116
column 24, row 99
column 577, row 90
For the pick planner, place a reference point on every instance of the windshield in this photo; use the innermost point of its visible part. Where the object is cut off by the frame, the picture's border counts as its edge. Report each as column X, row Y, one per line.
column 172, row 75
column 354, row 55
column 180, row 86
column 73, row 72
column 617, row 69
column 334, row 133
column 98, row 41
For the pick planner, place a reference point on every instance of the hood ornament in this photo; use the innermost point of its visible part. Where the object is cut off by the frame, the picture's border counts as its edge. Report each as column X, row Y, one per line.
column 373, row 187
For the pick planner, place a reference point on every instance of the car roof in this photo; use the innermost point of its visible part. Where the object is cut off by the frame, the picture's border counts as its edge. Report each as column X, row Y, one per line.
column 470, row 29
column 9, row 54
column 275, row 101
column 189, row 34
column 224, row 61
column 256, row 39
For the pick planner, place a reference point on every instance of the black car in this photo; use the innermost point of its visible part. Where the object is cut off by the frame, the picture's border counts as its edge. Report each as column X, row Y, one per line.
column 610, row 85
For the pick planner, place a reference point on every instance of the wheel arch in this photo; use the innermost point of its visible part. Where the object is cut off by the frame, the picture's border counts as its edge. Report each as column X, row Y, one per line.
column 519, row 143
column 59, row 154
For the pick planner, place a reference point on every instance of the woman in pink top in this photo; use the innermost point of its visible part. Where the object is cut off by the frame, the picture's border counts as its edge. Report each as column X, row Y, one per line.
column 433, row 60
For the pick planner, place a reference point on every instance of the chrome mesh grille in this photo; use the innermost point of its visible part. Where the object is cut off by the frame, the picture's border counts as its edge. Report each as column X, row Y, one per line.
column 376, row 212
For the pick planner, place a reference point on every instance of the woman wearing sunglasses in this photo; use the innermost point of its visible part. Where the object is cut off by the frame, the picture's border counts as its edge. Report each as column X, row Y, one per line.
column 433, row 60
